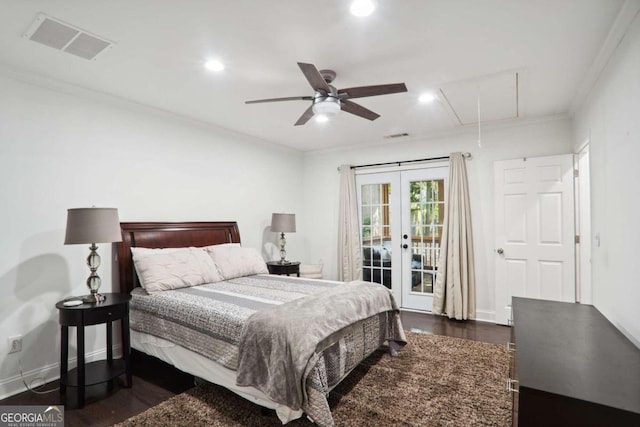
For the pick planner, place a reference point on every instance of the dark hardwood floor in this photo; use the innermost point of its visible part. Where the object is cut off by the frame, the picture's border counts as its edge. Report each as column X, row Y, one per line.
column 470, row 330
column 154, row 381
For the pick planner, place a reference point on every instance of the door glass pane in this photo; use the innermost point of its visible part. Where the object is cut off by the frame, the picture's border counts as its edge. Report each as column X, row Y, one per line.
column 375, row 219
column 366, row 259
column 376, row 235
column 427, row 217
column 365, row 195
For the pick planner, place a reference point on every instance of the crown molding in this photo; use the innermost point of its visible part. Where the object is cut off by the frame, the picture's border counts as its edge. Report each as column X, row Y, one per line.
column 60, row 86
column 628, row 13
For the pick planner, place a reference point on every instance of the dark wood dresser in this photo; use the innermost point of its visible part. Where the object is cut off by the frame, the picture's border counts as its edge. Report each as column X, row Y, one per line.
column 571, row 367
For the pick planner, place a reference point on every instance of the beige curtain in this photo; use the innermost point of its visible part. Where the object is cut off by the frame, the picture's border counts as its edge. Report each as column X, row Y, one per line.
column 455, row 289
column 349, row 250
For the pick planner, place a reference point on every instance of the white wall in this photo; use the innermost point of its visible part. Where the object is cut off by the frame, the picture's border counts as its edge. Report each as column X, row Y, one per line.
column 610, row 120
column 321, row 183
column 60, row 149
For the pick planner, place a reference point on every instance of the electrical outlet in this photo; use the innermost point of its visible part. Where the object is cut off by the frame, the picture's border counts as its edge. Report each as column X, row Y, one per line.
column 15, row 344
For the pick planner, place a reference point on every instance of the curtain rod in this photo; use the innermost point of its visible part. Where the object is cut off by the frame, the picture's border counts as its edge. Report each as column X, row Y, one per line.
column 400, row 163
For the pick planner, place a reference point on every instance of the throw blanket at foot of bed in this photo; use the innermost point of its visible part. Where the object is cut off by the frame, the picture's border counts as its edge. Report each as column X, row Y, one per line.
column 279, row 346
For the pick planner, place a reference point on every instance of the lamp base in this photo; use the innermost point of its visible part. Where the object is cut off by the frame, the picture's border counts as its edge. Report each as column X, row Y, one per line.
column 283, row 252
column 93, row 298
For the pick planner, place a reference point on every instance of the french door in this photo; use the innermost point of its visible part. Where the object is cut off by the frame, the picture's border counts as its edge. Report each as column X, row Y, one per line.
column 401, row 215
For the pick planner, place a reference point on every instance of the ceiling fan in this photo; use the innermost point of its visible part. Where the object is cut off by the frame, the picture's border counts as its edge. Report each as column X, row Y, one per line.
column 328, row 100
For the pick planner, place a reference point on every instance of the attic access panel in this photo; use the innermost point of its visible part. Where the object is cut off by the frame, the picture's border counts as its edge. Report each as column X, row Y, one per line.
column 59, row 35
column 498, row 95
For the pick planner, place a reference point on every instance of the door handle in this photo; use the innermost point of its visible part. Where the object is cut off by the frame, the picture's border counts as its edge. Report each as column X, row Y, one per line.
column 500, row 251
column 405, row 246
column 404, row 236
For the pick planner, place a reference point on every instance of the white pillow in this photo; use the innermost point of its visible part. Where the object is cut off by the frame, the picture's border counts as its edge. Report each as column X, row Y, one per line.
column 140, row 251
column 165, row 270
column 311, row 271
column 137, row 251
column 236, row 261
column 222, row 245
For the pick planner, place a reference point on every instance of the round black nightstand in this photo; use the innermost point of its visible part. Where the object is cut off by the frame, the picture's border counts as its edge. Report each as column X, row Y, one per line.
column 289, row 268
column 114, row 307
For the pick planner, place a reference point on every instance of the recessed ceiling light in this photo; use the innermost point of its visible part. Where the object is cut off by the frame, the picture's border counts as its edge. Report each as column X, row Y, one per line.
column 321, row 118
column 214, row 65
column 362, row 7
column 426, row 98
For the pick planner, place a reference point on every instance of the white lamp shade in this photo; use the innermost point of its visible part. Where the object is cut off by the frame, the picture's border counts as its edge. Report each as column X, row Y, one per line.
column 283, row 223
column 92, row 225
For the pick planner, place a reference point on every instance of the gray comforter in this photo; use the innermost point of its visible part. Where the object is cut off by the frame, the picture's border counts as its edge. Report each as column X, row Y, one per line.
column 278, row 345
column 212, row 320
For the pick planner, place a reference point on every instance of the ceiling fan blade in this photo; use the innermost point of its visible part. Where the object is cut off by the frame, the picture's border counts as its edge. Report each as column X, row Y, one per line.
column 289, row 98
column 314, row 77
column 362, row 91
column 358, row 110
column 304, row 118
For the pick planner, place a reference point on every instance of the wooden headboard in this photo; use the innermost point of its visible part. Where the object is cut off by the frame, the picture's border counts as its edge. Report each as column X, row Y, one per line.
column 167, row 235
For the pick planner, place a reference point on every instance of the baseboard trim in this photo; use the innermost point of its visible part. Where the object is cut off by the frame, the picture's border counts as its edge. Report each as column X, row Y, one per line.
column 481, row 315
column 413, row 310
column 14, row 385
column 485, row 316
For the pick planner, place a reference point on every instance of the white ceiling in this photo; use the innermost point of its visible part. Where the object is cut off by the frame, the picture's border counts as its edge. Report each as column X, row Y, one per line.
column 453, row 45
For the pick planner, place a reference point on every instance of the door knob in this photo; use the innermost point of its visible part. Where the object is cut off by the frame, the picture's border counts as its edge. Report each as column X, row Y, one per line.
column 500, row 251
column 405, row 236
column 405, row 246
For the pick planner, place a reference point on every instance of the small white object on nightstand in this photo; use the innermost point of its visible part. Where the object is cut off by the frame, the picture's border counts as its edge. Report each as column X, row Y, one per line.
column 72, row 303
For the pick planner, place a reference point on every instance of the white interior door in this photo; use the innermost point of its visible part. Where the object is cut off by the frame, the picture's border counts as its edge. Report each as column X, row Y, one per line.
column 534, row 228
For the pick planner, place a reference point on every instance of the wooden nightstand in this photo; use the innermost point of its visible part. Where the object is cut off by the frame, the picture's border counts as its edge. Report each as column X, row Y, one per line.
column 114, row 307
column 290, row 268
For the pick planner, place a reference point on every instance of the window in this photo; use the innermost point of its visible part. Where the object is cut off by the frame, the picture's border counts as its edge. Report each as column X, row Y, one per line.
column 427, row 218
column 376, row 233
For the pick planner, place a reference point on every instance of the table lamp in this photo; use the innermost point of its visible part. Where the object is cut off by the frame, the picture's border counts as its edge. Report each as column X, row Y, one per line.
column 93, row 225
column 283, row 223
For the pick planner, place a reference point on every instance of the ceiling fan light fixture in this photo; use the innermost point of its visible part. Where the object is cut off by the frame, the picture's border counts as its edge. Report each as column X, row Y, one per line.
column 426, row 98
column 214, row 65
column 328, row 100
column 328, row 107
column 362, row 8
column 321, row 118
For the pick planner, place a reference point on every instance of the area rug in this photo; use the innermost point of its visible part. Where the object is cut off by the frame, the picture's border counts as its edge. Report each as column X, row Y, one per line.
column 436, row 381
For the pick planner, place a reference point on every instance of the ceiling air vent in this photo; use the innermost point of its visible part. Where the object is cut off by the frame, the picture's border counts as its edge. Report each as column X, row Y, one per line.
column 58, row 35
column 396, row 135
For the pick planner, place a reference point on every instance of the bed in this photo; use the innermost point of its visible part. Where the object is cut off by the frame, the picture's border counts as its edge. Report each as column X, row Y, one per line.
column 239, row 332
